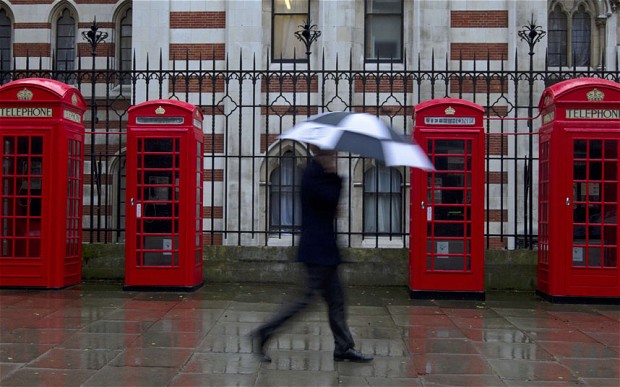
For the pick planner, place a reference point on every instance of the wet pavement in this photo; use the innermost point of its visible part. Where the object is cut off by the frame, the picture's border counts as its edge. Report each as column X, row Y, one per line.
column 96, row 334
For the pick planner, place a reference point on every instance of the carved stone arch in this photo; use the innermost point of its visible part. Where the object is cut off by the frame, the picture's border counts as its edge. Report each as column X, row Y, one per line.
column 57, row 10
column 360, row 167
column 9, row 12
column 272, row 157
column 591, row 7
column 562, row 4
column 120, row 10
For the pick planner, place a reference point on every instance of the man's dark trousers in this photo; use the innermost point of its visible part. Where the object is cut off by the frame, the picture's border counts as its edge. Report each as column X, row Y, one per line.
column 322, row 279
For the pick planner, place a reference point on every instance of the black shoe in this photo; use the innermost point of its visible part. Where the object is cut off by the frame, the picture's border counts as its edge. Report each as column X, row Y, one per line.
column 352, row 355
column 261, row 339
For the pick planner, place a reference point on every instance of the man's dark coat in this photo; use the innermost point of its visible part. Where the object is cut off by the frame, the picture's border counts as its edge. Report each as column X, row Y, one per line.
column 320, row 191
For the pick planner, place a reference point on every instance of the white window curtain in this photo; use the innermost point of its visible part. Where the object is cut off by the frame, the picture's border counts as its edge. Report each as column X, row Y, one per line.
column 285, row 206
column 285, row 45
column 580, row 39
column 288, row 15
column 382, row 201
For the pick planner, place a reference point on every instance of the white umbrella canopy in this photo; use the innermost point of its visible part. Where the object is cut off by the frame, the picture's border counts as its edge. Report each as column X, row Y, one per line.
column 362, row 134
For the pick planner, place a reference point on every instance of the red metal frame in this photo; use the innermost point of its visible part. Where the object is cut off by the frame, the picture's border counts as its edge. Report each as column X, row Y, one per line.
column 447, row 205
column 578, row 223
column 42, row 136
column 164, row 196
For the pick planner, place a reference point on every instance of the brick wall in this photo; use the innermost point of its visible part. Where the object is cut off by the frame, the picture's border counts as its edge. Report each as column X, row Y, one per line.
column 479, row 19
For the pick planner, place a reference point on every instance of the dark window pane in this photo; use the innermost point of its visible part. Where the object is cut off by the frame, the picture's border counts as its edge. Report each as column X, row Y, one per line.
column 124, row 54
column 557, row 38
column 383, row 30
column 65, row 42
column 580, row 38
column 5, row 41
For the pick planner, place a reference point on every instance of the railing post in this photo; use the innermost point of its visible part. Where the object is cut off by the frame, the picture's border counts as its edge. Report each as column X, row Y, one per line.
column 93, row 37
column 532, row 34
column 308, row 34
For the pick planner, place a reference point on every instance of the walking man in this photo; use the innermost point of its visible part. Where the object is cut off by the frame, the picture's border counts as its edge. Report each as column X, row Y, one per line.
column 318, row 251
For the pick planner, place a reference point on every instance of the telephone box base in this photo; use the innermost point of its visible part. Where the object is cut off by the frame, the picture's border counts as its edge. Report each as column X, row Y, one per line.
column 446, row 295
column 187, row 289
column 578, row 299
column 14, row 287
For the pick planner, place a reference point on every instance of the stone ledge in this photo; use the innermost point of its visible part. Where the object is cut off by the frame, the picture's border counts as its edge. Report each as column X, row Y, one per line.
column 504, row 269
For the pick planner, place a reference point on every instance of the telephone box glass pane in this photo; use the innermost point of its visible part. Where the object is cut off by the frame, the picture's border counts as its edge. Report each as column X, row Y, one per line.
column 158, row 195
column 595, row 206
column 449, row 209
column 74, row 198
column 21, row 196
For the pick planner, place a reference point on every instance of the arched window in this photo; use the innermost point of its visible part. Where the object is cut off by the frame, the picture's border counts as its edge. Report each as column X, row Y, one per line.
column 5, row 43
column 65, row 42
column 382, row 201
column 124, row 51
column 581, row 34
column 284, row 199
column 558, row 37
column 570, row 34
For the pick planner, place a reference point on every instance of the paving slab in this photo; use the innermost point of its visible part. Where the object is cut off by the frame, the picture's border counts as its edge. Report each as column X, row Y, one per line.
column 97, row 334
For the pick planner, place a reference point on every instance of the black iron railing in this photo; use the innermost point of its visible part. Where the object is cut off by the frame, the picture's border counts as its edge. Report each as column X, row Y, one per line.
column 246, row 105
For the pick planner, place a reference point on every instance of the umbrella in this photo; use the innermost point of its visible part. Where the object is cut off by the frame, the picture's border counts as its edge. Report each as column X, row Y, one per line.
column 362, row 134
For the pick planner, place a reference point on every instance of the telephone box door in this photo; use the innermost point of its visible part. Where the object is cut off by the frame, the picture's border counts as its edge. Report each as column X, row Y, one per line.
column 593, row 214
column 449, row 241
column 22, row 182
column 154, row 194
column 447, row 207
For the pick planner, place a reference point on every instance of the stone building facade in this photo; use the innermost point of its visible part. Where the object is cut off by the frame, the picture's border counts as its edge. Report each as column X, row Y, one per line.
column 366, row 35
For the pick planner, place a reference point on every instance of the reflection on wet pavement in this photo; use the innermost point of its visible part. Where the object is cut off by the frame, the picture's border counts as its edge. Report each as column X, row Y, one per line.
column 96, row 334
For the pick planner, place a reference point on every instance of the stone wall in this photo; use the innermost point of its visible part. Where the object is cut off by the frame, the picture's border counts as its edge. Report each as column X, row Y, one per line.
column 504, row 269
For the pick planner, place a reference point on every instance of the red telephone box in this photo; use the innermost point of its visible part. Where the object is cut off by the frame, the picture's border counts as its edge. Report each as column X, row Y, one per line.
column 447, row 205
column 164, row 196
column 42, row 134
column 578, row 196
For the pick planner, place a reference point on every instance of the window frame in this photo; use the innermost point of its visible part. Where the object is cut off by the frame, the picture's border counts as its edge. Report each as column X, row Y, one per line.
column 121, row 59
column 562, row 50
column 277, row 57
column 566, row 51
column 367, row 14
column 293, row 189
column 376, row 195
column 60, row 15
column 5, row 62
column 580, row 10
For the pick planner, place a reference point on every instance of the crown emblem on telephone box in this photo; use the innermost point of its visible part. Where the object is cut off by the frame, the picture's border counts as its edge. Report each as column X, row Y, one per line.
column 595, row 95
column 24, row 95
